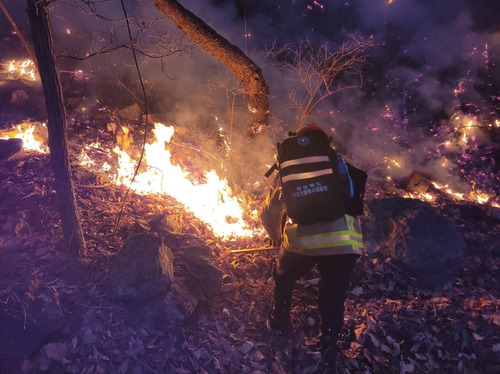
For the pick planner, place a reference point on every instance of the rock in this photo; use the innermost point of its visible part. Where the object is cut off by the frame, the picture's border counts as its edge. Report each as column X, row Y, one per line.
column 131, row 113
column 10, row 147
column 412, row 232
column 194, row 260
column 202, row 275
column 142, row 269
column 19, row 97
column 197, row 276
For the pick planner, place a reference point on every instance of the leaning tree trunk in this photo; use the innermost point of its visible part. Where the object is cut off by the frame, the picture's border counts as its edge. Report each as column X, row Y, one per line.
column 233, row 57
column 56, row 116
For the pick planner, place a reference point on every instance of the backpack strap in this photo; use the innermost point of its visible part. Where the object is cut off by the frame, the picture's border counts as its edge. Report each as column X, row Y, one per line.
column 272, row 169
column 275, row 165
column 344, row 173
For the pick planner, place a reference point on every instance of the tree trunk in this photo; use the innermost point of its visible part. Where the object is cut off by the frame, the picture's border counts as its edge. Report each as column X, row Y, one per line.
column 233, row 57
column 56, row 123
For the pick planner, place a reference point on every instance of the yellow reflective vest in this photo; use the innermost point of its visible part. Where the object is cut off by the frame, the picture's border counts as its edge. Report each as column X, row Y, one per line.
column 342, row 236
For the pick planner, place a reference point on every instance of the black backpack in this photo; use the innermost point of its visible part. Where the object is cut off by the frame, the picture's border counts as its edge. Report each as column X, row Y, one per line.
column 317, row 184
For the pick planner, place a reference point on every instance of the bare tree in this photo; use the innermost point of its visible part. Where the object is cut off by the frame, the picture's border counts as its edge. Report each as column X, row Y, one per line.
column 234, row 58
column 320, row 70
column 147, row 37
column 56, row 124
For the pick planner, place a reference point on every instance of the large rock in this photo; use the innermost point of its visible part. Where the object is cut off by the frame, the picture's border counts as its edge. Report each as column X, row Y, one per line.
column 413, row 233
column 143, row 268
column 202, row 274
column 194, row 259
column 10, row 147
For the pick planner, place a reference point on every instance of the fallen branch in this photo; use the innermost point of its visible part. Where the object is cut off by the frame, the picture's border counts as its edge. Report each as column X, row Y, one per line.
column 18, row 32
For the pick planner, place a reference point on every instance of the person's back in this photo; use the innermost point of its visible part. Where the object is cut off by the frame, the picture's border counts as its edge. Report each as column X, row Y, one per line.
column 325, row 236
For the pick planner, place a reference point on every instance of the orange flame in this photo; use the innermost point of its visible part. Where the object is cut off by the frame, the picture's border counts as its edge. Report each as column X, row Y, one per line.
column 23, row 69
column 211, row 201
column 26, row 132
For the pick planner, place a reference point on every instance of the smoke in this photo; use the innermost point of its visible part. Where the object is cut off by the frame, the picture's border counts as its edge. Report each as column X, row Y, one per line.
column 433, row 62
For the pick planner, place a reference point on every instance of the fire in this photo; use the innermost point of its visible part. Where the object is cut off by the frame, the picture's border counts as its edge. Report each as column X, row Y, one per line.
column 420, row 196
column 23, row 69
column 475, row 196
column 211, row 201
column 466, row 132
column 390, row 161
column 26, row 132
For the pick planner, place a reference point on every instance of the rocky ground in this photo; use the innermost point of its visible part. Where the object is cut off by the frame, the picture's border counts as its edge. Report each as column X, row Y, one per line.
column 58, row 316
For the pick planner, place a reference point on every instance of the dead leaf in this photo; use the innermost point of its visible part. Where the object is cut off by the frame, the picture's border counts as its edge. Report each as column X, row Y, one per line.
column 246, row 347
column 407, row 368
column 496, row 319
column 258, row 355
column 56, row 351
column 477, row 336
column 357, row 291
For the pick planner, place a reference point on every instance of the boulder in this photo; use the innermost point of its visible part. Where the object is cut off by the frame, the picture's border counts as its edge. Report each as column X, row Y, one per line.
column 143, row 268
column 10, row 147
column 194, row 259
column 414, row 234
column 203, row 275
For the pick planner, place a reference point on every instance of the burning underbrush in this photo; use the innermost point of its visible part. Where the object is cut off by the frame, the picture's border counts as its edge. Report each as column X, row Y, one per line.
column 392, row 325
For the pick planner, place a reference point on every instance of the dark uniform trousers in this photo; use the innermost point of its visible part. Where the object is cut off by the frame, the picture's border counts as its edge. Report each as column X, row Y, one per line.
column 335, row 273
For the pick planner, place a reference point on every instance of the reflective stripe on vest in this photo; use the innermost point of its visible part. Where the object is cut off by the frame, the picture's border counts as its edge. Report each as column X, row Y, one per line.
column 340, row 238
column 303, row 161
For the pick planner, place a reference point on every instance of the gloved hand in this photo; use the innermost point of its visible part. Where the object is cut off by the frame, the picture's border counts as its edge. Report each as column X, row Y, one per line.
column 273, row 243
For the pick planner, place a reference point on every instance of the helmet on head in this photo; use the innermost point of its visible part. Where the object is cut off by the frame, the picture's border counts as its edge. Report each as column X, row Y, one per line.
column 310, row 127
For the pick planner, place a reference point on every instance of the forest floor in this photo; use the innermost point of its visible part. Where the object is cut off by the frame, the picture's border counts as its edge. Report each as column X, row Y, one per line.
column 391, row 324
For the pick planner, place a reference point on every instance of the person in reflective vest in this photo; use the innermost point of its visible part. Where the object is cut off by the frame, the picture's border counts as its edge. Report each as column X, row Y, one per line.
column 334, row 246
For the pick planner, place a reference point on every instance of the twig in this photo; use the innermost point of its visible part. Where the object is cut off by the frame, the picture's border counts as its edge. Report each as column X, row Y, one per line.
column 94, row 186
column 218, row 159
column 18, row 32
column 146, row 113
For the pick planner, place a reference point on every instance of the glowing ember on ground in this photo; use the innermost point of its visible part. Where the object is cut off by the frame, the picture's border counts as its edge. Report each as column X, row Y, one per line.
column 420, row 196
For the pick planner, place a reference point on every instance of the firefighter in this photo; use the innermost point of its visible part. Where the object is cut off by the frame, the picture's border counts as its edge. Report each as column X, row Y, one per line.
column 334, row 246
